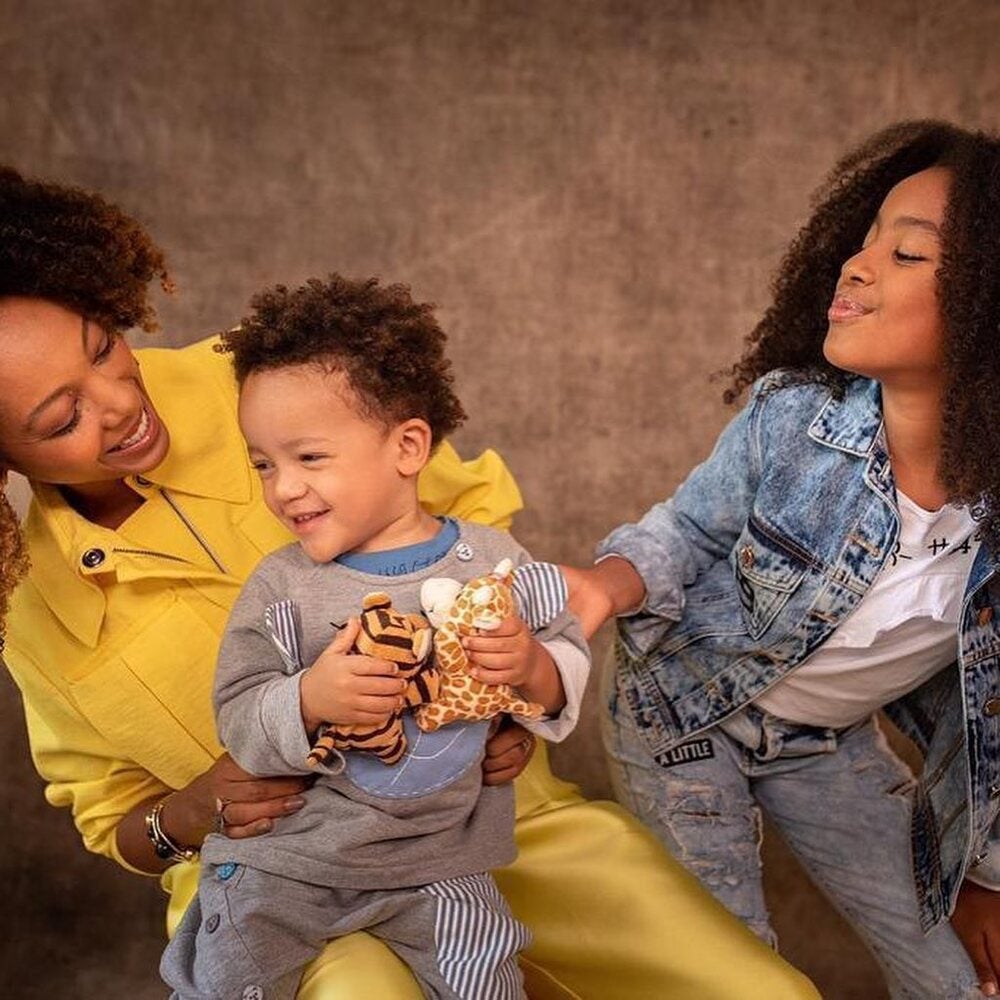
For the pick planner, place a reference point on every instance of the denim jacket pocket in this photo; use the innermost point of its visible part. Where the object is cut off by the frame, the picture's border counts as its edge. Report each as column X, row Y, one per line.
column 768, row 570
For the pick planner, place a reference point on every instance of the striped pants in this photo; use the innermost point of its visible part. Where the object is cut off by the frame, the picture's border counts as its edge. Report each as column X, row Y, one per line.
column 248, row 935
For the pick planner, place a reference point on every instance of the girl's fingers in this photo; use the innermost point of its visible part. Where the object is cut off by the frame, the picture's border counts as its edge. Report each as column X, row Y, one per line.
column 989, row 976
column 250, row 830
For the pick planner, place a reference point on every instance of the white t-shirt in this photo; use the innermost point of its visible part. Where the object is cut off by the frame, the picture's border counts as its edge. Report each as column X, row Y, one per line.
column 904, row 630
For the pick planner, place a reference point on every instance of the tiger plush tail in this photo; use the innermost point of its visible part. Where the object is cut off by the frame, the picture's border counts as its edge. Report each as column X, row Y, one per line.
column 387, row 742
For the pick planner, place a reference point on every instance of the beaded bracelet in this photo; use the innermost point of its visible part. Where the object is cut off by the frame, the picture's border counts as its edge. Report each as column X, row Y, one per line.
column 165, row 846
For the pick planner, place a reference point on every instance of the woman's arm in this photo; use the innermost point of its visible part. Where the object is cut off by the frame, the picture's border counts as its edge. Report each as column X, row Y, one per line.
column 110, row 796
column 249, row 807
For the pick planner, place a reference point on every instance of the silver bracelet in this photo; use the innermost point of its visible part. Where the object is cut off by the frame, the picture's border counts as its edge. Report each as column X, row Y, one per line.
column 164, row 845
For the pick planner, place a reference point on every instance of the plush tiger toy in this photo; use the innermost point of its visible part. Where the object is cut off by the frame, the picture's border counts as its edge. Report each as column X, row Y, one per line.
column 402, row 639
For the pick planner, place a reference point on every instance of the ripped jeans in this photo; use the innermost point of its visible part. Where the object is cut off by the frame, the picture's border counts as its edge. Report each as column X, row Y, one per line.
column 841, row 799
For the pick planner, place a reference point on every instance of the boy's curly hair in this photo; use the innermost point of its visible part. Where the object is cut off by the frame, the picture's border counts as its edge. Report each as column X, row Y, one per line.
column 389, row 348
column 790, row 336
column 71, row 247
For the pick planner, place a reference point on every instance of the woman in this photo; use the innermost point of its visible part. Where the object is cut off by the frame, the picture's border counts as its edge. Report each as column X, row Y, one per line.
column 145, row 521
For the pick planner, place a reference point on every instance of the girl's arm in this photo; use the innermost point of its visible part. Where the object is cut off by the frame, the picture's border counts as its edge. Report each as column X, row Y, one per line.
column 646, row 565
column 976, row 921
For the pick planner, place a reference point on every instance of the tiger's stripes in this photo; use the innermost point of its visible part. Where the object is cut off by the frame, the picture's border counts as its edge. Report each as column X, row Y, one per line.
column 404, row 640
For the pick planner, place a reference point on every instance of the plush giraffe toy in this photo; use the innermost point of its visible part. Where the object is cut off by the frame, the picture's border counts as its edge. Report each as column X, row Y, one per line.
column 404, row 640
column 481, row 604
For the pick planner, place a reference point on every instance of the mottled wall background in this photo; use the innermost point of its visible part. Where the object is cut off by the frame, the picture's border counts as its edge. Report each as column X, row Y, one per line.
column 595, row 193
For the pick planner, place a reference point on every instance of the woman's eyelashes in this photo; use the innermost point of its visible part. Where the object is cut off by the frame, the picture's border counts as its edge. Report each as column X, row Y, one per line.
column 104, row 349
column 908, row 258
column 71, row 424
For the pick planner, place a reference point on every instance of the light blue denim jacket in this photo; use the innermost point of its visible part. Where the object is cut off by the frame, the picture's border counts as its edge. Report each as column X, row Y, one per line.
column 759, row 555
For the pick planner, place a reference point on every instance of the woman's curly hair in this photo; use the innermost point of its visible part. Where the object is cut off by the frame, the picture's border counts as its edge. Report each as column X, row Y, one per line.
column 389, row 348
column 790, row 336
column 71, row 247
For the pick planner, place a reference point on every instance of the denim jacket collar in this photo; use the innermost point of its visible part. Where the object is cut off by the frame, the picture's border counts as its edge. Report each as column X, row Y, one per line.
column 852, row 424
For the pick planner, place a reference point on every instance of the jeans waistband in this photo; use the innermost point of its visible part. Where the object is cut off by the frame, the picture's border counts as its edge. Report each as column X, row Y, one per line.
column 768, row 737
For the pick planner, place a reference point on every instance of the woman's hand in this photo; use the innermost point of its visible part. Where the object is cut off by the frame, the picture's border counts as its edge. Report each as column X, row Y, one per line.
column 976, row 921
column 229, row 800
column 508, row 751
column 598, row 592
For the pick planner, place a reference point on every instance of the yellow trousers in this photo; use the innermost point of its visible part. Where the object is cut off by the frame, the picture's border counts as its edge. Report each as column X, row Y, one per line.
column 613, row 917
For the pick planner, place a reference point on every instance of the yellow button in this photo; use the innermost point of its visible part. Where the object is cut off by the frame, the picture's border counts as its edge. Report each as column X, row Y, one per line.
column 992, row 707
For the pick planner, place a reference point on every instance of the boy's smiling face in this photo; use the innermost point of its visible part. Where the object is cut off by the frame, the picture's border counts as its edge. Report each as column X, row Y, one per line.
column 340, row 480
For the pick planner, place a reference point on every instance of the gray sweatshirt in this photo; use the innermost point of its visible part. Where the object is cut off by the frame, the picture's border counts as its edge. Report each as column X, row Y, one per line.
column 346, row 835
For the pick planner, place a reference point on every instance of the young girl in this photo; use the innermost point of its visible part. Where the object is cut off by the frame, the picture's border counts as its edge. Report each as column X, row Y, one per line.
column 836, row 554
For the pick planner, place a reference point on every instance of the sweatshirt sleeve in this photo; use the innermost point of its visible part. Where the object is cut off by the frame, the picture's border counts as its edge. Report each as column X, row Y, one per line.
column 257, row 699
column 561, row 635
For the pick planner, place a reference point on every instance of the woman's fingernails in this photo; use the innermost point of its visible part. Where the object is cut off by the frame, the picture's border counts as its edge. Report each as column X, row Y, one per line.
column 296, row 802
column 989, row 989
column 263, row 826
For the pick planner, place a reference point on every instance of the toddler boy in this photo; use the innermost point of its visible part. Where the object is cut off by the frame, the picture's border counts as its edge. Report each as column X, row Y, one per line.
column 344, row 393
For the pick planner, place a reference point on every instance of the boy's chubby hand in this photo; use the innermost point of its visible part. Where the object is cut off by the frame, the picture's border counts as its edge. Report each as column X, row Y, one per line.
column 504, row 655
column 509, row 654
column 347, row 688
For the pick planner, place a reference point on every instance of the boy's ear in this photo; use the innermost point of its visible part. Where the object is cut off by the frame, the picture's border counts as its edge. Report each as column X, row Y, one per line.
column 414, row 441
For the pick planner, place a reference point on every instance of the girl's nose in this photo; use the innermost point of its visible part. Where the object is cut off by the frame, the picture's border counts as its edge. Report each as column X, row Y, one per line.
column 858, row 269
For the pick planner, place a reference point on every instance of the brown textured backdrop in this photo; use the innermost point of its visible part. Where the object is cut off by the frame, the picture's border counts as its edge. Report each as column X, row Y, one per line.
column 594, row 192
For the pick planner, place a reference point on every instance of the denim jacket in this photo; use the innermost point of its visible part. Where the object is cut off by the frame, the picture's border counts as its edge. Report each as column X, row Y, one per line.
column 766, row 547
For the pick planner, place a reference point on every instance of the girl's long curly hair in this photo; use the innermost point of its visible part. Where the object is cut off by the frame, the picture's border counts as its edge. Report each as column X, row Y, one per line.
column 790, row 335
column 71, row 247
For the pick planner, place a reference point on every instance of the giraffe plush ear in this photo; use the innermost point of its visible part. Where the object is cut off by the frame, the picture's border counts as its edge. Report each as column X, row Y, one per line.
column 504, row 571
column 437, row 595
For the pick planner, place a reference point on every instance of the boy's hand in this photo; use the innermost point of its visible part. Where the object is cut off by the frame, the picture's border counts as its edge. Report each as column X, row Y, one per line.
column 509, row 654
column 976, row 921
column 504, row 655
column 347, row 688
